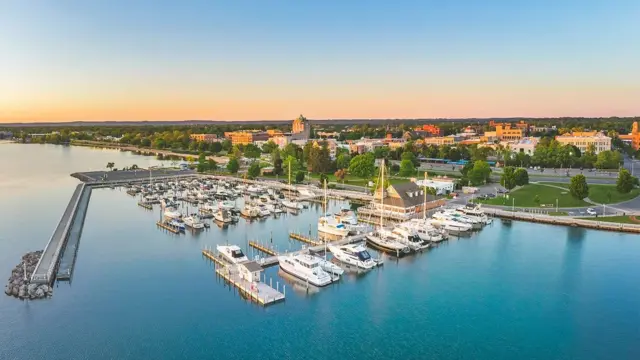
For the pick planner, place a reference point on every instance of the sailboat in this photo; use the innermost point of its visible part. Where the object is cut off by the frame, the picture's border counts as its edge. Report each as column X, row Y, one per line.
column 291, row 204
column 328, row 223
column 377, row 239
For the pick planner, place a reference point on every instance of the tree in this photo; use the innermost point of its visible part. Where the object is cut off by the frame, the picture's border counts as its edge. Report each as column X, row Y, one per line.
column 299, row 177
column 251, row 151
column 536, row 199
column 395, row 168
column 293, row 162
column 340, row 175
column 521, row 176
column 508, row 178
column 624, row 184
column 202, row 163
column 134, row 167
column 411, row 157
column 110, row 165
column 277, row 162
column 578, row 187
column 323, row 178
column 254, row 170
column 269, row 147
column 407, row 168
column 226, row 145
column 480, row 173
column 342, row 161
column 233, row 166
column 362, row 166
column 213, row 165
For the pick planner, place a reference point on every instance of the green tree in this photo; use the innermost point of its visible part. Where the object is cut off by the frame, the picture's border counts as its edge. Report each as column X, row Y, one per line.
column 411, row 157
column 293, row 162
column 536, row 199
column 340, row 174
column 624, row 184
column 299, row 177
column 480, row 173
column 521, row 176
column 254, row 170
column 277, row 162
column 269, row 147
column 508, row 178
column 233, row 166
column 323, row 178
column 251, row 151
column 578, row 187
column 342, row 161
column 110, row 165
column 407, row 168
column 213, row 165
column 203, row 165
column 226, row 145
column 362, row 166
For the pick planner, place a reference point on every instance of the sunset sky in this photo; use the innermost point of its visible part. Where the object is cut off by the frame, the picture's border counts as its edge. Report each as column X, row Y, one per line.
column 63, row 60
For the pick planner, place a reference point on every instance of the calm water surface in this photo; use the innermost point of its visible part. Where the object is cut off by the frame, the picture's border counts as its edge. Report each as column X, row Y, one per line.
column 521, row 291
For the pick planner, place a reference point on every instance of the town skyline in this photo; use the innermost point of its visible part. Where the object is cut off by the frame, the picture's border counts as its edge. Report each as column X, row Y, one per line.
column 253, row 61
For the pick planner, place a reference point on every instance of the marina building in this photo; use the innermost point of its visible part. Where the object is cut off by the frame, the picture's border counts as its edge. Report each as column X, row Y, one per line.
column 442, row 186
column 401, row 199
column 582, row 140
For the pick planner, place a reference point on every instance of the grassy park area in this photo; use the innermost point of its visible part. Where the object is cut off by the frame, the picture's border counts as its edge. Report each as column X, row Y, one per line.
column 526, row 197
column 614, row 219
column 600, row 193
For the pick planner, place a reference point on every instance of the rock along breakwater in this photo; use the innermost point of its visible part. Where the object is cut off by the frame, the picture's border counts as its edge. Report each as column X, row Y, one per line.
column 20, row 285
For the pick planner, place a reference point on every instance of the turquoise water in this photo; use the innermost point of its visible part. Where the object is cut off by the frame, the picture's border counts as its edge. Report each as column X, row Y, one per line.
column 521, row 291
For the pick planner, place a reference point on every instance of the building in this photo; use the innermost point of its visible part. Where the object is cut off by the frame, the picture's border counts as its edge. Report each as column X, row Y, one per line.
column 506, row 132
column 364, row 145
column 632, row 138
column 6, row 135
column 204, row 137
column 431, row 130
column 583, row 139
column 301, row 128
column 401, row 199
column 525, row 145
column 274, row 132
column 250, row 271
column 332, row 146
column 246, row 137
column 443, row 186
column 281, row 140
column 440, row 140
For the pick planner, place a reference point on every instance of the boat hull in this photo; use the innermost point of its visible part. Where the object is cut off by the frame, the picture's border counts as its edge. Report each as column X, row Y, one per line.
column 303, row 278
column 386, row 249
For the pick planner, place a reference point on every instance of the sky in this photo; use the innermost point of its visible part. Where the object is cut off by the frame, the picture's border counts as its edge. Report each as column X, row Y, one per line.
column 98, row 60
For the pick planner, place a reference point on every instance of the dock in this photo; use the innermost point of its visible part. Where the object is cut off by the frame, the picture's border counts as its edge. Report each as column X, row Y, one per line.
column 305, row 239
column 264, row 249
column 45, row 270
column 259, row 291
column 170, row 228
column 145, row 205
column 70, row 252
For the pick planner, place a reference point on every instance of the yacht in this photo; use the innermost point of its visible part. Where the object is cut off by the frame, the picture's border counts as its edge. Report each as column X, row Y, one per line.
column 409, row 237
column 425, row 230
column 290, row 204
column 307, row 268
column 330, row 225
column 381, row 241
column 476, row 224
column 172, row 213
column 223, row 216
column 232, row 253
column 249, row 211
column 354, row 255
column 451, row 226
column 263, row 211
column 193, row 222
column 226, row 205
column 178, row 224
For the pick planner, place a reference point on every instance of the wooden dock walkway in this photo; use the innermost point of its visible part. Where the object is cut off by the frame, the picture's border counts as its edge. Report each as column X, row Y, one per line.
column 145, row 205
column 259, row 292
column 264, row 249
column 305, row 239
column 170, row 228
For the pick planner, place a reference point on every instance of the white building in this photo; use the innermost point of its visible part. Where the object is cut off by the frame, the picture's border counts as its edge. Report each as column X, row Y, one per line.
column 443, row 186
column 525, row 145
column 583, row 139
column 250, row 271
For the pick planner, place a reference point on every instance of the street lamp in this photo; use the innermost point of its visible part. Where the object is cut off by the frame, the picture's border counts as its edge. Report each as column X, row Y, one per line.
column 556, row 205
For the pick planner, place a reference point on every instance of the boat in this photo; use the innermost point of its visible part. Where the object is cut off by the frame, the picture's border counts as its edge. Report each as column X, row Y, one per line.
column 223, row 216
column 451, row 226
column 476, row 224
column 307, row 268
column 293, row 205
column 193, row 222
column 354, row 255
column 172, row 213
column 232, row 253
column 379, row 239
column 409, row 237
column 328, row 224
column 249, row 211
column 426, row 231
column 178, row 224
column 263, row 211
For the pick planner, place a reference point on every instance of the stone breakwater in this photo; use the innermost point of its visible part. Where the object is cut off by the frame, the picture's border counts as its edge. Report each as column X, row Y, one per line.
column 20, row 286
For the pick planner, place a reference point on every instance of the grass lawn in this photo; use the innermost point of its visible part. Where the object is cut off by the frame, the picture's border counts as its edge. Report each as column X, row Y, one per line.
column 559, row 213
column 598, row 192
column 613, row 219
column 524, row 197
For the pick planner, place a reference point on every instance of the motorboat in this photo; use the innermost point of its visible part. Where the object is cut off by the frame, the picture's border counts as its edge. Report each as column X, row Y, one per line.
column 178, row 224
column 425, row 230
column 223, row 216
column 232, row 253
column 409, row 237
column 354, row 255
column 263, row 211
column 249, row 211
column 294, row 205
column 476, row 223
column 307, row 268
column 380, row 240
column 172, row 213
column 330, row 225
column 193, row 222
column 451, row 226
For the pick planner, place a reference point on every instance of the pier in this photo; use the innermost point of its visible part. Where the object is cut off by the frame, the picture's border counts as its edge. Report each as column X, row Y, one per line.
column 168, row 227
column 45, row 270
column 305, row 239
column 68, row 257
column 264, row 249
column 145, row 205
column 257, row 291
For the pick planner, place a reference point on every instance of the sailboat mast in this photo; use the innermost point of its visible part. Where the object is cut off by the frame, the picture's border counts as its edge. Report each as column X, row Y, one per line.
column 424, row 204
column 325, row 197
column 382, row 195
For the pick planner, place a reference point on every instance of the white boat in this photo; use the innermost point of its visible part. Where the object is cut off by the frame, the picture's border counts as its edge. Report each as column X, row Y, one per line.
column 458, row 216
column 193, row 222
column 223, row 216
column 226, row 205
column 328, row 224
column 409, row 237
column 307, row 268
column 232, row 253
column 178, row 224
column 294, row 205
column 425, row 230
column 451, row 226
column 263, row 211
column 354, row 255
column 249, row 212
column 330, row 267
column 172, row 213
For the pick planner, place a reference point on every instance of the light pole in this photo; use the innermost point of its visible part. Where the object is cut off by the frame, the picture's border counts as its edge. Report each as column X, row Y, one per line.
column 513, row 204
column 556, row 205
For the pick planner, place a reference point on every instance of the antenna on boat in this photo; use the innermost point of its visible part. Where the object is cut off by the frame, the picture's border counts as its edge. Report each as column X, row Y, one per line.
column 424, row 205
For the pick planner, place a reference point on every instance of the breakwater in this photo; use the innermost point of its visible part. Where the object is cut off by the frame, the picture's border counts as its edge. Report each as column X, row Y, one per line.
column 20, row 285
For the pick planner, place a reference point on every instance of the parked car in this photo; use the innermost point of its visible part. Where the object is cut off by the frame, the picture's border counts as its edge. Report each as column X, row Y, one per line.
column 591, row 211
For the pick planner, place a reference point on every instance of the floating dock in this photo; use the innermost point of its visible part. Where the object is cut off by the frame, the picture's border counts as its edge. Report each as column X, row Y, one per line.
column 68, row 257
column 264, row 249
column 145, row 205
column 170, row 228
column 259, row 292
column 305, row 239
